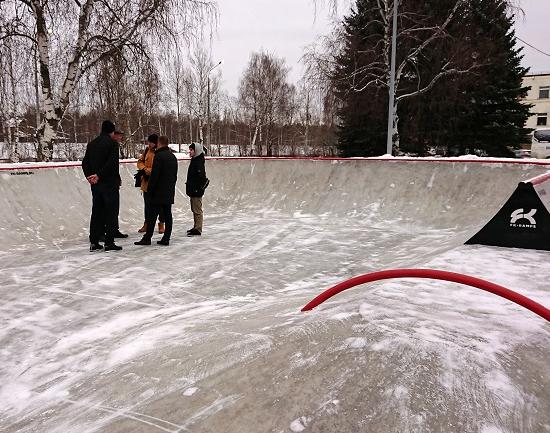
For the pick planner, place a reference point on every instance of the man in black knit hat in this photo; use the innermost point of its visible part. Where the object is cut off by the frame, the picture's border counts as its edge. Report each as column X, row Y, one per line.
column 161, row 189
column 101, row 168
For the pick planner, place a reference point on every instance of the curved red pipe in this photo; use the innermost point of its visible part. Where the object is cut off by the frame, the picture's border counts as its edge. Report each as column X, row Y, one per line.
column 524, row 301
column 539, row 179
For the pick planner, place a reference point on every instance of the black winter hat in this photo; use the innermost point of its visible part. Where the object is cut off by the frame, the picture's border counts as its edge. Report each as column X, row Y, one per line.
column 153, row 138
column 107, row 127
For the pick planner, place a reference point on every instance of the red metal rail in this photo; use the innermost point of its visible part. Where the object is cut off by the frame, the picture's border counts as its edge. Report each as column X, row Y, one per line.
column 29, row 166
column 524, row 301
column 539, row 179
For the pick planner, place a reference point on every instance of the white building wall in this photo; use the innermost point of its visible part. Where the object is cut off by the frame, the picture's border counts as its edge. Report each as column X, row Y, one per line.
column 539, row 98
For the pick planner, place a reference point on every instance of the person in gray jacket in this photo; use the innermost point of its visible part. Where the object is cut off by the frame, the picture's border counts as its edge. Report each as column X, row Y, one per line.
column 195, row 185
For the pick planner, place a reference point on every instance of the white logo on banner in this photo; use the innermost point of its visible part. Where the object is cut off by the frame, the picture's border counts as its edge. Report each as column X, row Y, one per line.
column 518, row 214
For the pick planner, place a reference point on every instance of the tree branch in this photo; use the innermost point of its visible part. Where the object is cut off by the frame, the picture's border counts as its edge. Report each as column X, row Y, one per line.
column 440, row 75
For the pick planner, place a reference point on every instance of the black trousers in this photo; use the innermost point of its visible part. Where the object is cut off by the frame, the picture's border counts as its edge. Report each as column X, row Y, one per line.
column 105, row 202
column 152, row 214
column 147, row 204
column 117, row 209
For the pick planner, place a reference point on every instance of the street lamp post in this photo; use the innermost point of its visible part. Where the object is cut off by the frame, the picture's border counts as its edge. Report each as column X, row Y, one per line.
column 391, row 108
column 208, row 104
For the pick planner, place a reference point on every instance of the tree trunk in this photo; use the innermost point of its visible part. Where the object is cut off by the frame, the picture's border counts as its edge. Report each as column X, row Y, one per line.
column 36, row 90
column 14, row 150
column 75, row 136
column 128, row 138
column 257, row 132
column 47, row 131
column 46, row 135
column 395, row 130
column 190, row 129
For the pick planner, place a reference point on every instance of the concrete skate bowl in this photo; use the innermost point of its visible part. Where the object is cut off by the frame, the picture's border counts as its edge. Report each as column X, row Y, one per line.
column 207, row 334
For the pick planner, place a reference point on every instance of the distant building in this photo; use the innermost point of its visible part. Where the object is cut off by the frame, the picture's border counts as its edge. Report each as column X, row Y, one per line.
column 539, row 96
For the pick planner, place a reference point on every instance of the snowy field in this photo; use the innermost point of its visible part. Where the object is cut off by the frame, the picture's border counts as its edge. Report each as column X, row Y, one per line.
column 207, row 334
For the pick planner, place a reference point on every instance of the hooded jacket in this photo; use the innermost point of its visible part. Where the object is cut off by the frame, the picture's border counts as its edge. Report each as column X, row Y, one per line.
column 196, row 174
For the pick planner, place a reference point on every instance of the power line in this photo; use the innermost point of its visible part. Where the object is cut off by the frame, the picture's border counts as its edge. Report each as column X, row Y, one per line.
column 535, row 48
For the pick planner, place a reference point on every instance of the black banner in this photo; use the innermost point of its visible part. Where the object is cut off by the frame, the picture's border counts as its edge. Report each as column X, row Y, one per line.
column 523, row 222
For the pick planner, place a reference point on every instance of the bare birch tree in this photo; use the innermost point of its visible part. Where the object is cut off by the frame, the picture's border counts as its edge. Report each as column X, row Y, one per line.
column 15, row 89
column 195, row 80
column 175, row 82
column 72, row 36
column 262, row 92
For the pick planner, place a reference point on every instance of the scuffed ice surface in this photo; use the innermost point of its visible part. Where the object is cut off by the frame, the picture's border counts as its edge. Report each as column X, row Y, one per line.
column 206, row 335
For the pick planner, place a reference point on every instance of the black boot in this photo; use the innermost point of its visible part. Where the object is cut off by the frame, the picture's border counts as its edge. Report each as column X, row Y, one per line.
column 193, row 232
column 95, row 247
column 143, row 241
column 164, row 242
column 112, row 247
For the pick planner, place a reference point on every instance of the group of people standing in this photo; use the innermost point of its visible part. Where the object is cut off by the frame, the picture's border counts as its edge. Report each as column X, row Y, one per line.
column 158, row 171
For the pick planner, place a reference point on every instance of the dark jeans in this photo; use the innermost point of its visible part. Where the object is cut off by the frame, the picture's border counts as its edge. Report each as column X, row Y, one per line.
column 104, row 212
column 147, row 204
column 153, row 212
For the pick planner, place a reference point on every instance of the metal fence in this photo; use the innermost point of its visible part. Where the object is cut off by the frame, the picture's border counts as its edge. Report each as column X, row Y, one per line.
column 75, row 151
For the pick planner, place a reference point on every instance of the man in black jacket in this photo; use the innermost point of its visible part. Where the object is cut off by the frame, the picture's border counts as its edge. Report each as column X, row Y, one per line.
column 195, row 185
column 161, row 190
column 100, row 166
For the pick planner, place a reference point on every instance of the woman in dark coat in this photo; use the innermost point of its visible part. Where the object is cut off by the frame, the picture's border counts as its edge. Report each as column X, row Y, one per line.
column 161, row 189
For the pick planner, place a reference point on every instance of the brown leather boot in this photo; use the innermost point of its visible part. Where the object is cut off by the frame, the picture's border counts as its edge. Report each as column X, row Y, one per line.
column 143, row 229
column 161, row 228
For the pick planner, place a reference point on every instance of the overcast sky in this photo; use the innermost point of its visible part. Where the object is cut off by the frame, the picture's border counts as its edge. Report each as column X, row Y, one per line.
column 286, row 27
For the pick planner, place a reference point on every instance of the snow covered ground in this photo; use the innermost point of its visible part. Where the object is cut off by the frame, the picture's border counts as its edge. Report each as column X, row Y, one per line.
column 207, row 334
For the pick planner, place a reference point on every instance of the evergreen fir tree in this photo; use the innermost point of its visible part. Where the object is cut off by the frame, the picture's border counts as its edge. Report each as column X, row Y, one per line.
column 478, row 110
column 496, row 117
column 361, row 129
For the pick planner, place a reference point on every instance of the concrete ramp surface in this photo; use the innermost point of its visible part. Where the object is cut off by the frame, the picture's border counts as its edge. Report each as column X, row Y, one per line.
column 207, row 334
